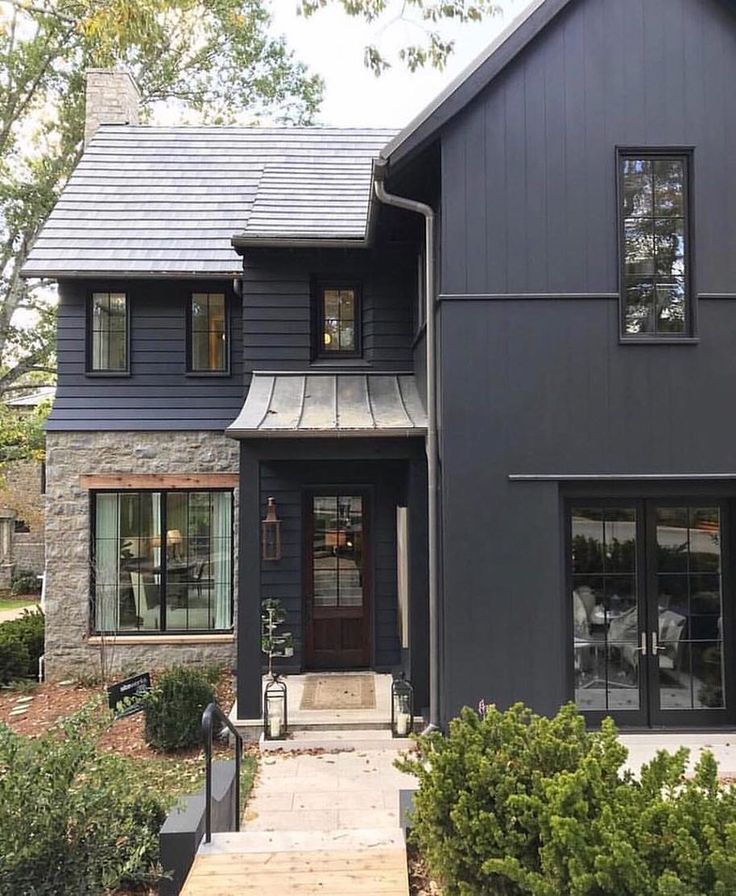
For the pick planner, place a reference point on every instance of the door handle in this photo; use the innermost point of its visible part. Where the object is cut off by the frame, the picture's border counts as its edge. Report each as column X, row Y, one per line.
column 656, row 649
column 643, row 648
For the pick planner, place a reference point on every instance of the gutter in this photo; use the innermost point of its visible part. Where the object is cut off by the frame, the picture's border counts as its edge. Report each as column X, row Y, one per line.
column 431, row 441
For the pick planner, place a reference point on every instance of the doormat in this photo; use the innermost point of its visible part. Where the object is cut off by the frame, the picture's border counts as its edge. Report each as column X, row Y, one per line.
column 339, row 692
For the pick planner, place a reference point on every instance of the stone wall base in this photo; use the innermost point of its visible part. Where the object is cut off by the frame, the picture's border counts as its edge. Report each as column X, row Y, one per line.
column 71, row 650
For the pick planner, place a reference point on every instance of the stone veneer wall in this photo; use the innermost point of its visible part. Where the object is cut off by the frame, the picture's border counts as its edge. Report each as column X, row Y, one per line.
column 70, row 455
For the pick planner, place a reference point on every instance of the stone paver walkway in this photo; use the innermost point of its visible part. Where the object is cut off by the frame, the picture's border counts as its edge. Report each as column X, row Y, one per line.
column 328, row 791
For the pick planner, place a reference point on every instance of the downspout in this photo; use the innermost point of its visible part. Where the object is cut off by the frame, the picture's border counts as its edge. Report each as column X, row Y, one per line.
column 420, row 208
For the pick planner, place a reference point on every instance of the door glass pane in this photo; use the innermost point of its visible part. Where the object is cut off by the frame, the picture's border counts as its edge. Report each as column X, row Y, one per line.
column 337, row 551
column 689, row 608
column 605, row 607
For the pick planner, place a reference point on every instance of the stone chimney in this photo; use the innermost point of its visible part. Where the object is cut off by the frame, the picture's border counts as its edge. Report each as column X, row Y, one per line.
column 112, row 98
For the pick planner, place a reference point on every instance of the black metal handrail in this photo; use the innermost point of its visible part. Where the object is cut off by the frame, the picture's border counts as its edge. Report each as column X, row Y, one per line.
column 212, row 714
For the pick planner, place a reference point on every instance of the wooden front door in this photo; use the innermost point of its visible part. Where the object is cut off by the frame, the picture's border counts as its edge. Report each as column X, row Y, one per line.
column 336, row 563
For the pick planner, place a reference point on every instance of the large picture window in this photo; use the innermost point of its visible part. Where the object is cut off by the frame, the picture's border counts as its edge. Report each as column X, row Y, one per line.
column 108, row 333
column 208, row 333
column 162, row 561
column 655, row 238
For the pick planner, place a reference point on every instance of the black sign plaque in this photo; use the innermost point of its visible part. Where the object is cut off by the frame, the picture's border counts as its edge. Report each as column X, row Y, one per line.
column 126, row 697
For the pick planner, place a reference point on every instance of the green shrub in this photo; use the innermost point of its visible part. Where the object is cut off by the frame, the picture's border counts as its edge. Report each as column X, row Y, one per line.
column 513, row 803
column 173, row 708
column 25, row 582
column 72, row 820
column 21, row 645
column 14, row 657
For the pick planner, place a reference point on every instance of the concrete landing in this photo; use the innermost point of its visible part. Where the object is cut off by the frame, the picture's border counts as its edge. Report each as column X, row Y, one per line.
column 644, row 746
column 361, row 862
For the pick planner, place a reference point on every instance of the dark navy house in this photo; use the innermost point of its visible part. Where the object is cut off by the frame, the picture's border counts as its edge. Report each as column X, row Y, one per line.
column 482, row 372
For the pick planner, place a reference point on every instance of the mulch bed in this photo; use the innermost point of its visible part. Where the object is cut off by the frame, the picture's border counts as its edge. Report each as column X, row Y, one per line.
column 53, row 702
column 420, row 881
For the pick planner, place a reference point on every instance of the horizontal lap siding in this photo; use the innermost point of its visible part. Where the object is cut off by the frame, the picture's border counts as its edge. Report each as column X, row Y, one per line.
column 277, row 305
column 157, row 395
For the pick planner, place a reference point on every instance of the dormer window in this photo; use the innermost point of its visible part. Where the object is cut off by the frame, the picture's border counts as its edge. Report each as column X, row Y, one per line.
column 208, row 333
column 338, row 321
column 108, row 333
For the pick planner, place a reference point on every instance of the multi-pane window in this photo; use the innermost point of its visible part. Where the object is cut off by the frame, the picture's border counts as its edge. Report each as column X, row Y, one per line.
column 108, row 332
column 208, row 333
column 162, row 561
column 654, row 211
column 339, row 319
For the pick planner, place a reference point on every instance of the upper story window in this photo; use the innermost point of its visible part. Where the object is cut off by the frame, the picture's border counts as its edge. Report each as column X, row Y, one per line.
column 654, row 206
column 108, row 329
column 338, row 321
column 208, row 333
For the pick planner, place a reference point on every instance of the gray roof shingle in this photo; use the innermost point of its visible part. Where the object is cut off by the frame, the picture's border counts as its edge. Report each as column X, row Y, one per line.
column 168, row 201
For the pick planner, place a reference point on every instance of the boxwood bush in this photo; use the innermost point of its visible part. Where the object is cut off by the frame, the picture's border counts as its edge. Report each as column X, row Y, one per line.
column 21, row 645
column 512, row 803
column 73, row 820
column 173, row 708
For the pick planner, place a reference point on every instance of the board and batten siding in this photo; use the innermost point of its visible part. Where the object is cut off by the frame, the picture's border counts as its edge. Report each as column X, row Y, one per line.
column 158, row 394
column 278, row 305
column 535, row 380
column 529, row 167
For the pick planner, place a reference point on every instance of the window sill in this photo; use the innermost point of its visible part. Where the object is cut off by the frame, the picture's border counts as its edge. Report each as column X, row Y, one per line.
column 658, row 340
column 340, row 362
column 165, row 638
column 208, row 374
column 106, row 374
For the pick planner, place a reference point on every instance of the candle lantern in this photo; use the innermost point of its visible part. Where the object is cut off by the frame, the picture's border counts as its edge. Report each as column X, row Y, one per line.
column 271, row 533
column 275, row 721
column 402, row 707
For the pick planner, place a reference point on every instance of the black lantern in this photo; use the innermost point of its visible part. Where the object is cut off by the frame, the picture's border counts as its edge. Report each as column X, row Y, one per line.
column 402, row 707
column 271, row 533
column 275, row 721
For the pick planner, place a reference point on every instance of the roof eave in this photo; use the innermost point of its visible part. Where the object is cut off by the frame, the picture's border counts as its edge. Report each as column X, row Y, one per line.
column 56, row 274
column 384, row 433
column 502, row 51
column 281, row 242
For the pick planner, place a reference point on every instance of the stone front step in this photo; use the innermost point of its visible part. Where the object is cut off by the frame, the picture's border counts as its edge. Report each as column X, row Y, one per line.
column 361, row 739
column 361, row 862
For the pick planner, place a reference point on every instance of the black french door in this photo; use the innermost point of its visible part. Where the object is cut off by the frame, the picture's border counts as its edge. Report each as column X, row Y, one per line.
column 651, row 611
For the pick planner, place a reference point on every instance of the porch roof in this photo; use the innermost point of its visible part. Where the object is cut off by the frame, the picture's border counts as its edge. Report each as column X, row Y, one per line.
column 330, row 404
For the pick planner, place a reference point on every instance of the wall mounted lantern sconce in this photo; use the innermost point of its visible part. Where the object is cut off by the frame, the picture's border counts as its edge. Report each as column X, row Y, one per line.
column 271, row 533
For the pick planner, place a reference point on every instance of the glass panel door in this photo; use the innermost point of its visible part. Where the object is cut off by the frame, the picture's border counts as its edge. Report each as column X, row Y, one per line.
column 607, row 615
column 687, row 631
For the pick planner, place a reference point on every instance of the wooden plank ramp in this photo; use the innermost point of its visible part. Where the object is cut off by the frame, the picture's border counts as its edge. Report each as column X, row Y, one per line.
column 304, row 863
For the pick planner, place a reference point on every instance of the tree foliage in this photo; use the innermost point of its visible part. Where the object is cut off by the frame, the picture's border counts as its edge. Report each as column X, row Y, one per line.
column 213, row 56
column 427, row 16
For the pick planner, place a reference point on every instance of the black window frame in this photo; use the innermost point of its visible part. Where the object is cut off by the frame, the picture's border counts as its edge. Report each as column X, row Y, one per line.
column 658, row 153
column 319, row 287
column 147, row 633
column 190, row 369
column 89, row 334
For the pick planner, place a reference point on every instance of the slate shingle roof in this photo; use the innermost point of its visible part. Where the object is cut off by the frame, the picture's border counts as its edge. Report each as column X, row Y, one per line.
column 157, row 201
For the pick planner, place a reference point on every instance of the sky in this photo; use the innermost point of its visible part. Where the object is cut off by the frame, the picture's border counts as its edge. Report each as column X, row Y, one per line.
column 331, row 43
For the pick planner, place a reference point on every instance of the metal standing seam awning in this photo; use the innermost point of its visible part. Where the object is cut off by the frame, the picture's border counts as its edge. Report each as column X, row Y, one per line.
column 329, row 405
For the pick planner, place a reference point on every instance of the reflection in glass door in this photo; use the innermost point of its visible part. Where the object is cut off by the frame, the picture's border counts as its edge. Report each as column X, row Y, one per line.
column 606, row 613
column 687, row 648
column 648, row 611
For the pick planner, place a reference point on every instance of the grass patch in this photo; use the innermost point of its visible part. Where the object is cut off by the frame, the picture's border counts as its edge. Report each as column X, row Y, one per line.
column 174, row 777
column 15, row 604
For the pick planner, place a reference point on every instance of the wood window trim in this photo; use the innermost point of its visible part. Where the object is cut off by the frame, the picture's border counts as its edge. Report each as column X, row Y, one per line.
column 319, row 286
column 689, row 335
column 192, row 371
column 88, row 349
column 156, row 481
